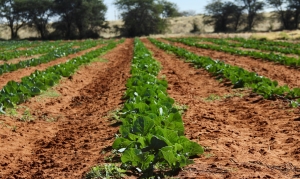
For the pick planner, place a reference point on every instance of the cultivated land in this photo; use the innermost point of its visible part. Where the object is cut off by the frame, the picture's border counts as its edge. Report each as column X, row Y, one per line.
column 70, row 127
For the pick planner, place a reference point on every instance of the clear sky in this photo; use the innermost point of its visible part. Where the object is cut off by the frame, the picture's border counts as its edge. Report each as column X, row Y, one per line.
column 196, row 5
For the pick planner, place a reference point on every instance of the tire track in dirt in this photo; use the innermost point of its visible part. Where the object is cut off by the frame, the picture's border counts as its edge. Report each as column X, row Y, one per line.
column 282, row 74
column 244, row 135
column 18, row 74
column 68, row 147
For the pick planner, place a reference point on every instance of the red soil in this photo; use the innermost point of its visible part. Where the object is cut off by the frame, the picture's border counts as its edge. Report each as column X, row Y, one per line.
column 244, row 135
column 72, row 143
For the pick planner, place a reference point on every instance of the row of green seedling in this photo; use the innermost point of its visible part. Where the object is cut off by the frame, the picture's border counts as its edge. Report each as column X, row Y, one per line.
column 59, row 52
column 152, row 132
column 14, row 93
column 281, row 59
column 251, row 44
column 29, row 51
column 239, row 77
column 13, row 45
column 267, row 42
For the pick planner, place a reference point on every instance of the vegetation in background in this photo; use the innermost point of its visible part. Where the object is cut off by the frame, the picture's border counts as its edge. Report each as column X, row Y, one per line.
column 79, row 18
column 252, row 9
column 38, row 16
column 75, row 18
column 287, row 11
column 223, row 15
column 229, row 15
column 145, row 17
column 13, row 12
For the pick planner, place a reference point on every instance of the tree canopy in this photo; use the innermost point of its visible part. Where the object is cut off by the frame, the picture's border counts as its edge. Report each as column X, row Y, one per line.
column 13, row 12
column 252, row 9
column 145, row 17
column 223, row 15
column 76, row 18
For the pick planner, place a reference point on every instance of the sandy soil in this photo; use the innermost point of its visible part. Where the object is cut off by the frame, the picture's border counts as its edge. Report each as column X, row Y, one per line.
column 72, row 143
column 244, row 135
column 283, row 74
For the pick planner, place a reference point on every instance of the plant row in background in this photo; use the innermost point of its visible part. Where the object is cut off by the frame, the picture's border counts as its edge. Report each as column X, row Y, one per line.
column 267, row 42
column 152, row 132
column 13, row 45
column 238, row 76
column 16, row 93
column 289, row 61
column 29, row 51
column 253, row 44
column 62, row 51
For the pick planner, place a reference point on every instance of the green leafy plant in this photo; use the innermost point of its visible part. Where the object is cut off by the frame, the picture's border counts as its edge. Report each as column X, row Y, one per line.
column 152, row 131
column 26, row 116
column 17, row 93
column 239, row 77
column 224, row 46
column 55, row 53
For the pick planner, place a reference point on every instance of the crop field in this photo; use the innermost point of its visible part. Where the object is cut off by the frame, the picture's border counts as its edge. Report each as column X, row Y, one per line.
column 169, row 107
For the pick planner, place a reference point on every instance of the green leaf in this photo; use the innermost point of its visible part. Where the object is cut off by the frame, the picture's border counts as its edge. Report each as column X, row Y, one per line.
column 169, row 155
column 35, row 91
column 122, row 143
column 132, row 156
column 7, row 103
column 174, row 122
column 157, row 143
column 192, row 148
column 169, row 136
column 142, row 125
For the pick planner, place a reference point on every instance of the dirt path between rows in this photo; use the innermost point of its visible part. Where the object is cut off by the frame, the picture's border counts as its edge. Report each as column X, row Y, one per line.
column 282, row 74
column 244, row 135
column 69, row 132
column 18, row 74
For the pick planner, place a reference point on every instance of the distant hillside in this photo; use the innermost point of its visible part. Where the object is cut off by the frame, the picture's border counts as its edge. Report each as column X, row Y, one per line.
column 178, row 26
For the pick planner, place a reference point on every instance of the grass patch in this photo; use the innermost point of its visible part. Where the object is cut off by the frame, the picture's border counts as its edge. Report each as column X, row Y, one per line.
column 21, row 113
column 106, row 171
column 50, row 93
column 99, row 59
column 213, row 97
column 12, row 128
column 114, row 115
column 182, row 108
column 236, row 93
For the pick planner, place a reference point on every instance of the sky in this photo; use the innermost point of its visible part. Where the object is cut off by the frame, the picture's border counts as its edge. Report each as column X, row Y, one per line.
column 196, row 5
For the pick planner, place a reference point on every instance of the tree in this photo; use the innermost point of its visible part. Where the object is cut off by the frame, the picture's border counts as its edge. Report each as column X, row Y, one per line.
column 169, row 9
column 282, row 13
column 188, row 13
column 144, row 17
column 38, row 14
column 222, row 15
column 79, row 18
column 13, row 13
column 252, row 7
column 294, row 8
